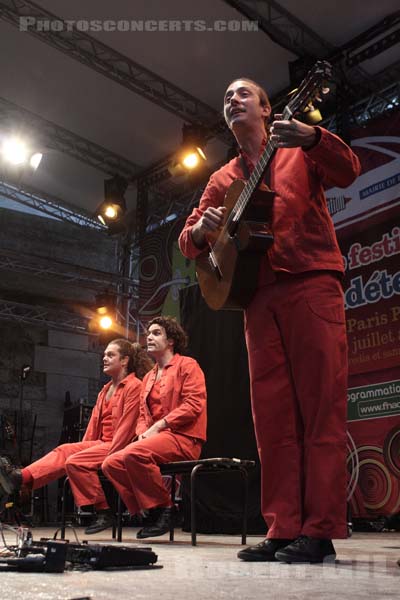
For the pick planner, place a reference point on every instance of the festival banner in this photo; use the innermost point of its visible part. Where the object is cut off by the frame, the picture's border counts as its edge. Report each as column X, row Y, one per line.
column 374, row 453
column 366, row 218
column 372, row 297
column 377, row 190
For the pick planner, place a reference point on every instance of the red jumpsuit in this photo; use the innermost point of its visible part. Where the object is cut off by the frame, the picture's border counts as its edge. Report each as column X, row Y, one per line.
column 296, row 340
column 134, row 470
column 81, row 460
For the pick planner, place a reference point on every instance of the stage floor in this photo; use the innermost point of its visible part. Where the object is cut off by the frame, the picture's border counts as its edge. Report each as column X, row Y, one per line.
column 366, row 567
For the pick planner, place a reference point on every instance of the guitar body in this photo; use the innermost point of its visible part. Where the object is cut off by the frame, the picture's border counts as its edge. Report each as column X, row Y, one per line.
column 228, row 273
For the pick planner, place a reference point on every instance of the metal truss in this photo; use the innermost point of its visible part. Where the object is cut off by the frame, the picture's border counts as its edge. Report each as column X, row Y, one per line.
column 173, row 207
column 47, row 204
column 369, row 108
column 137, row 318
column 373, row 41
column 114, row 65
column 387, row 76
column 290, row 32
column 126, row 267
column 43, row 317
column 57, row 138
column 374, row 49
column 283, row 27
column 38, row 266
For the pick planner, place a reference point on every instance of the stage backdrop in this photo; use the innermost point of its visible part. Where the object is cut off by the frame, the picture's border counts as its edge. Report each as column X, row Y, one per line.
column 366, row 216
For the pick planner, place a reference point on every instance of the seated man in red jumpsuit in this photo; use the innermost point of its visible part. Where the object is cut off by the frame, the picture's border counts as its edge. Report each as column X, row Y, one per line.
column 171, row 425
column 111, row 427
column 294, row 325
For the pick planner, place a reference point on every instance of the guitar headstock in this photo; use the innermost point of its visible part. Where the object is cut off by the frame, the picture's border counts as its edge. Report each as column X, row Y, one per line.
column 313, row 87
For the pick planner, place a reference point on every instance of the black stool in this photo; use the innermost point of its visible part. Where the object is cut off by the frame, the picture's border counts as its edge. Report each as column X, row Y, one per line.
column 194, row 467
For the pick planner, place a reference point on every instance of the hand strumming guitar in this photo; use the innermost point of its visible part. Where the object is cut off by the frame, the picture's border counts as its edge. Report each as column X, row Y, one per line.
column 211, row 219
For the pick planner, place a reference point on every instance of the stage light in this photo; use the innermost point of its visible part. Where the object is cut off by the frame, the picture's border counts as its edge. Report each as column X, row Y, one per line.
column 105, row 303
column 193, row 157
column 111, row 211
column 17, row 153
column 191, row 154
column 14, row 151
column 35, row 160
column 106, row 322
column 105, row 309
column 113, row 207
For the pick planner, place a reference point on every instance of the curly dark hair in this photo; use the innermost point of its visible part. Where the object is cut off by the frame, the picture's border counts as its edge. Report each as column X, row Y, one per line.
column 139, row 361
column 174, row 332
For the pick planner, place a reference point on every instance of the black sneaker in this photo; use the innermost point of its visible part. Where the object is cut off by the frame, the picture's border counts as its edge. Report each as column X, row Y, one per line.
column 307, row 550
column 104, row 521
column 161, row 526
column 264, row 551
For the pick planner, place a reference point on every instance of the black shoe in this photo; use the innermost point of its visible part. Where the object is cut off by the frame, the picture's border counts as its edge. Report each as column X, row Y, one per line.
column 264, row 551
column 307, row 550
column 104, row 521
column 160, row 527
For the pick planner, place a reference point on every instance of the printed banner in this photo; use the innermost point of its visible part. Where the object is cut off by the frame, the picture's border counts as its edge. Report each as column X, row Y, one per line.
column 374, row 456
column 372, row 297
column 374, row 401
column 377, row 189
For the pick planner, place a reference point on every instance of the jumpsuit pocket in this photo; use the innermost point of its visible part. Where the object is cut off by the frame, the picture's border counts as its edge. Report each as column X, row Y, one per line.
column 333, row 313
column 325, row 299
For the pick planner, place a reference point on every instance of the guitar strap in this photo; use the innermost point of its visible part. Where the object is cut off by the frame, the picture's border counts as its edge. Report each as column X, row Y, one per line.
column 246, row 172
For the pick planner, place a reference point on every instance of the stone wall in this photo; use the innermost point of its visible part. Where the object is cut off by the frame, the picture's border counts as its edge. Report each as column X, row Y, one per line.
column 62, row 362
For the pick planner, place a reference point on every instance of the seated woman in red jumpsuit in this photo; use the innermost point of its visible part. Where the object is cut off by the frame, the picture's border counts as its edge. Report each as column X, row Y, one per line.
column 111, row 427
column 171, row 425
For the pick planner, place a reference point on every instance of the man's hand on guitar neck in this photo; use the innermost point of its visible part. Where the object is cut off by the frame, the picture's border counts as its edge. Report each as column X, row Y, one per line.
column 211, row 220
column 292, row 134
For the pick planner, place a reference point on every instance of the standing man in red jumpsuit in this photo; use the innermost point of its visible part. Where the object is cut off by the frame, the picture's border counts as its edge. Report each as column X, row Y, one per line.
column 171, row 425
column 111, row 427
column 294, row 326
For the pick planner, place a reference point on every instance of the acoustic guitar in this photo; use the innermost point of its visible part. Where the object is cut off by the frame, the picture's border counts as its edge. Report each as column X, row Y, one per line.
column 228, row 271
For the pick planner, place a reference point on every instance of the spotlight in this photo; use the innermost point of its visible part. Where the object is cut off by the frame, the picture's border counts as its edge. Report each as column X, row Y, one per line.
column 106, row 322
column 191, row 154
column 105, row 308
column 17, row 153
column 113, row 207
column 35, row 160
column 14, row 151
